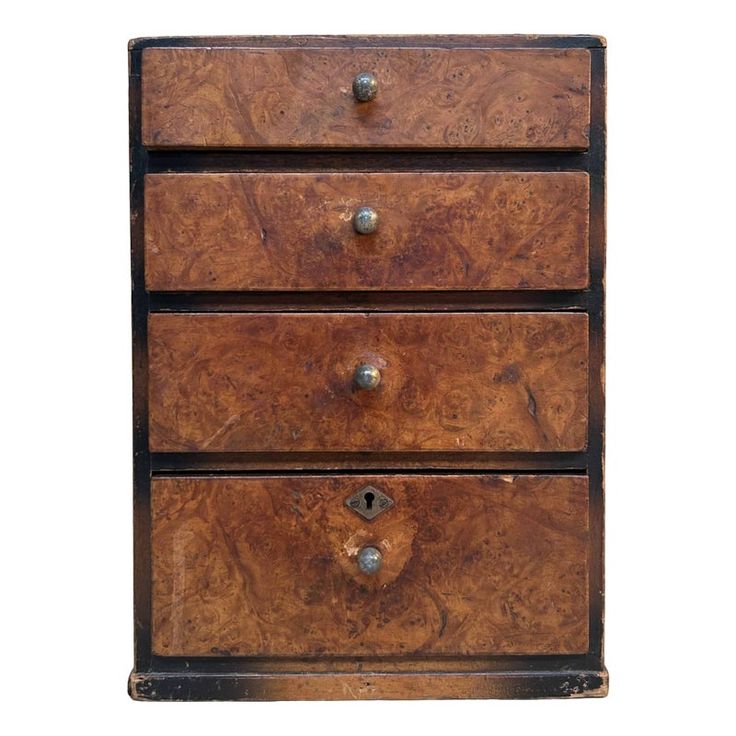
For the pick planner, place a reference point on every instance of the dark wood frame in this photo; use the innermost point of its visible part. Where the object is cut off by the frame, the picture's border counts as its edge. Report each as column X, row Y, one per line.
column 178, row 678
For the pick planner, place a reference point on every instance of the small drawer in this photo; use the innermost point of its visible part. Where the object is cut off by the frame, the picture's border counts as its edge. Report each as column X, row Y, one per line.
column 368, row 382
column 400, row 231
column 454, row 565
column 366, row 98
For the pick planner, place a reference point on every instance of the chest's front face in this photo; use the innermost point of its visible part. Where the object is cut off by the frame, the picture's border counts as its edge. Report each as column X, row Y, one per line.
column 368, row 351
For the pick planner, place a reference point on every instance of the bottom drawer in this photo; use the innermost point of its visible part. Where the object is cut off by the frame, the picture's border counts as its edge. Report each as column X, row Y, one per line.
column 466, row 565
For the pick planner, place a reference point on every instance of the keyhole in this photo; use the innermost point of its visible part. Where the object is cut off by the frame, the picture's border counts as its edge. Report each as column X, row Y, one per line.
column 369, row 498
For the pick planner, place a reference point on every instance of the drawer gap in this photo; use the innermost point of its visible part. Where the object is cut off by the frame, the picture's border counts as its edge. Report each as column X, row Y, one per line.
column 347, row 463
column 353, row 663
column 245, row 161
column 389, row 301
column 289, row 473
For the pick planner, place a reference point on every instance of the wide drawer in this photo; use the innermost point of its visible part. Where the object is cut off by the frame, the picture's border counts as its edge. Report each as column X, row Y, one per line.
column 437, row 98
column 289, row 382
column 477, row 564
column 435, row 231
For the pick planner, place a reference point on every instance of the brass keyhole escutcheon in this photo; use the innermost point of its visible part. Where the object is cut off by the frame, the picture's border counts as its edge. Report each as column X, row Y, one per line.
column 369, row 502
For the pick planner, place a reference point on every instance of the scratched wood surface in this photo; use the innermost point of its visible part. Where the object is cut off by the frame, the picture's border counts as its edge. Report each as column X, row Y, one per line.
column 284, row 382
column 436, row 231
column 430, row 97
column 471, row 565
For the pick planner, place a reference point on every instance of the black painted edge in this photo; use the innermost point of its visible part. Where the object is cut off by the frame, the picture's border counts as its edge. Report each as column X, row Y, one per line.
column 140, row 307
column 596, row 362
column 157, row 686
column 397, row 41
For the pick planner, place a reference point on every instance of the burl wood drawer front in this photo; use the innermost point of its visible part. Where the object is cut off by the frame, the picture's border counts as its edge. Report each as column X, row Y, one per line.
column 435, row 231
column 475, row 564
column 292, row 382
column 432, row 98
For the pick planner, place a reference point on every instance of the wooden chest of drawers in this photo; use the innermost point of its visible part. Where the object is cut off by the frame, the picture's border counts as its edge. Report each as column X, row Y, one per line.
column 368, row 367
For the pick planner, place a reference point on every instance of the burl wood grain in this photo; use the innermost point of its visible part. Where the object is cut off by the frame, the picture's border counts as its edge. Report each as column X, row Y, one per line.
column 448, row 98
column 436, row 231
column 471, row 565
column 450, row 381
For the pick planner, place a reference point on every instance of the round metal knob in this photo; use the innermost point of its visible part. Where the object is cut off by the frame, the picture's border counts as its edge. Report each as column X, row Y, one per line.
column 367, row 376
column 365, row 87
column 365, row 220
column 369, row 560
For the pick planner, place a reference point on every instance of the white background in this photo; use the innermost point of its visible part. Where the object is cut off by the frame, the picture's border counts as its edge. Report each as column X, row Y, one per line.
column 66, row 478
